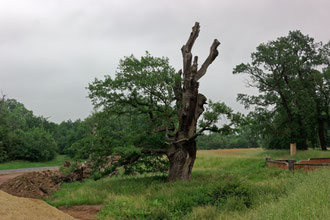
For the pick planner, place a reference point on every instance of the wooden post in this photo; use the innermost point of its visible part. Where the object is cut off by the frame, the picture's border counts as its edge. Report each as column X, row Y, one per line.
column 293, row 149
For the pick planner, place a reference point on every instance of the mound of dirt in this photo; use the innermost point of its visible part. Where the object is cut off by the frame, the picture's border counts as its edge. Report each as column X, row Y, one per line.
column 14, row 208
column 33, row 185
column 41, row 184
column 6, row 177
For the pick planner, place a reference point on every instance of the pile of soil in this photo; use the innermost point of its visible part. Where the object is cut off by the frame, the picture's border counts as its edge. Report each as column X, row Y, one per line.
column 33, row 185
column 41, row 184
column 15, row 208
column 6, row 177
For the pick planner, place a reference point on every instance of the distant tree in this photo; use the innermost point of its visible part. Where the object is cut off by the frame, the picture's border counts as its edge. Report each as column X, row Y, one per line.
column 22, row 135
column 168, row 104
column 67, row 133
column 294, row 94
column 3, row 130
column 243, row 137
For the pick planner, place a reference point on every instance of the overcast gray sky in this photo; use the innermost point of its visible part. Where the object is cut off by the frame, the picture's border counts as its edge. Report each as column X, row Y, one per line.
column 51, row 49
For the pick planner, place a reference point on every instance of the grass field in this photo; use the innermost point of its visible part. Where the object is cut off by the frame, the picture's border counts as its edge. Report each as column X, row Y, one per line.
column 226, row 184
column 57, row 161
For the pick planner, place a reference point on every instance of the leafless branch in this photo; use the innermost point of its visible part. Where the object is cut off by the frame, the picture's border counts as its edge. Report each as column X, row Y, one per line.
column 213, row 54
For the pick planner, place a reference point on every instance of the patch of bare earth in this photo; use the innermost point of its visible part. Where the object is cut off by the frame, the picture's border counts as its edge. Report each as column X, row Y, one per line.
column 82, row 212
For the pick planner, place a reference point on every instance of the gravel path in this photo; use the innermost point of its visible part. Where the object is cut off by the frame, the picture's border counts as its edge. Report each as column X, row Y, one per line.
column 26, row 170
column 9, row 174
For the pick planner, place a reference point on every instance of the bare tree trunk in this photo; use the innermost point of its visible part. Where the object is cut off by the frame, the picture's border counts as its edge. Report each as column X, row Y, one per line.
column 182, row 161
column 183, row 151
column 321, row 132
column 302, row 143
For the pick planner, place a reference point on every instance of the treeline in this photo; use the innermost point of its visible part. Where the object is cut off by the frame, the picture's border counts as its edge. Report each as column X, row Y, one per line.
column 244, row 137
column 24, row 136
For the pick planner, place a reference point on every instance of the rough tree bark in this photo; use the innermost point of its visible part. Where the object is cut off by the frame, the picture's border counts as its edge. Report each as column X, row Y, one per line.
column 182, row 153
column 321, row 132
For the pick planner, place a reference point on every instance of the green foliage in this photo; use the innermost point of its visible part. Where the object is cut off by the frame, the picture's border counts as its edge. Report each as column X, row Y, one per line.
column 69, row 132
column 140, row 86
column 216, row 111
column 218, row 141
column 3, row 153
column 291, row 74
column 136, row 102
column 23, row 135
column 148, row 164
column 119, row 137
column 81, row 149
column 139, row 113
column 33, row 145
column 66, row 171
column 242, row 136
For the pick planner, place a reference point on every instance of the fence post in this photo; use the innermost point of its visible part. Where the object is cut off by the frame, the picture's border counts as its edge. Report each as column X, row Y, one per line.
column 293, row 149
column 291, row 164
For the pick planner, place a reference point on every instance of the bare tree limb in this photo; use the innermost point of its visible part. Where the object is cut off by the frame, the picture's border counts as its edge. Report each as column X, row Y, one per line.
column 213, row 54
column 154, row 151
column 193, row 36
column 186, row 49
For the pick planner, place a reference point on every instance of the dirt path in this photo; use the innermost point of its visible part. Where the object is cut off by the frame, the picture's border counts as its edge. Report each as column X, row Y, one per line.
column 9, row 174
column 26, row 170
column 82, row 212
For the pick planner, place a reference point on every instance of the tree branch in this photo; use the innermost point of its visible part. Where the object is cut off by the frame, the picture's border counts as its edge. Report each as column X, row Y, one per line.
column 154, row 151
column 192, row 38
column 213, row 54
column 186, row 49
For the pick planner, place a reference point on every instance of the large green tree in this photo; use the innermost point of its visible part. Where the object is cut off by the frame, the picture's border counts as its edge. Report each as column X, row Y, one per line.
column 168, row 102
column 293, row 100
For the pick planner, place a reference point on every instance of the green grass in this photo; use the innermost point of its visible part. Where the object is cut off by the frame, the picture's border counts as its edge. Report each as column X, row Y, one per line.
column 226, row 184
column 18, row 164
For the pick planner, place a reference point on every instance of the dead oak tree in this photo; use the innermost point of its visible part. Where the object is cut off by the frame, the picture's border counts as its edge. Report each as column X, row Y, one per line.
column 182, row 152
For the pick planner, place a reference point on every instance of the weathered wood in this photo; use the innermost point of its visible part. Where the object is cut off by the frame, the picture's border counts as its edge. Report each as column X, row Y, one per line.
column 183, row 149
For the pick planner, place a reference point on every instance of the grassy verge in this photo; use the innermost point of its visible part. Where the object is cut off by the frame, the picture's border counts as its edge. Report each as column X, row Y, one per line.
column 226, row 184
column 57, row 161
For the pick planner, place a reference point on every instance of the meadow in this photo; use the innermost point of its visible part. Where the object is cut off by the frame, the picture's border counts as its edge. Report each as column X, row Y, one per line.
column 226, row 184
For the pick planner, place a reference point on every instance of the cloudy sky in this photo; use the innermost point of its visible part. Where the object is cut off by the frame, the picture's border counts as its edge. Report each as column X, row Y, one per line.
column 51, row 49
